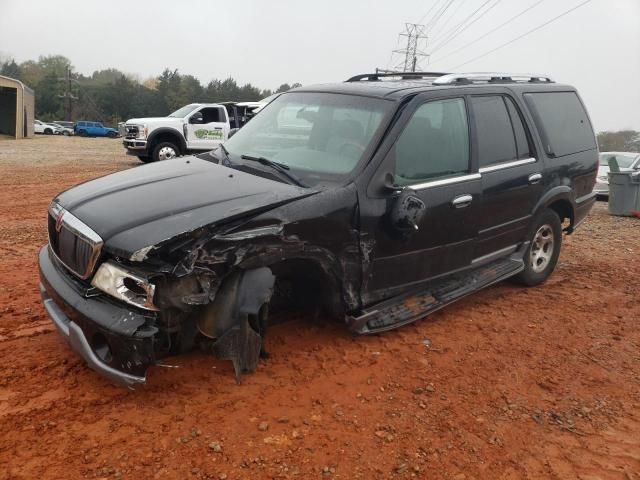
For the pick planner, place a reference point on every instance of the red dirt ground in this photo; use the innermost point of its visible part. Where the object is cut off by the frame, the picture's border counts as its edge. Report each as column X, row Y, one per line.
column 517, row 383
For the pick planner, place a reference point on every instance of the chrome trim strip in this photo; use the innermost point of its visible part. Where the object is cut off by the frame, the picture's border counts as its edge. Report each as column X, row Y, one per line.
column 77, row 227
column 445, row 181
column 502, row 166
column 493, row 255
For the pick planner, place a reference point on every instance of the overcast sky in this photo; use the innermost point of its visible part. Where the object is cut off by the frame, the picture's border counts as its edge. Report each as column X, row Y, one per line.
column 595, row 48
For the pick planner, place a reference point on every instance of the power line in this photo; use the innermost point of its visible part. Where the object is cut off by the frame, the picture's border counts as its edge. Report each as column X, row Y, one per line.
column 490, row 31
column 436, row 2
column 456, row 27
column 447, row 40
column 523, row 35
column 438, row 16
column 453, row 14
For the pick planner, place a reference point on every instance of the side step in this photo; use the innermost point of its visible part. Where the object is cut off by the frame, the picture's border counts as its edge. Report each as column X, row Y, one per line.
column 409, row 307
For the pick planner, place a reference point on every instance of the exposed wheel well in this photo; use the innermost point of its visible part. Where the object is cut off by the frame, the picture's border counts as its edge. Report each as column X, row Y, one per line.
column 166, row 137
column 564, row 210
column 302, row 284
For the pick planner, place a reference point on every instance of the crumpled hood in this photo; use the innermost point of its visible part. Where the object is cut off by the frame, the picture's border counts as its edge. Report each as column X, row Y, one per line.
column 146, row 205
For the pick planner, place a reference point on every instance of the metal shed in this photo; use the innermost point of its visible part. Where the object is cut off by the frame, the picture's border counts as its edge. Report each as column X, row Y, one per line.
column 17, row 105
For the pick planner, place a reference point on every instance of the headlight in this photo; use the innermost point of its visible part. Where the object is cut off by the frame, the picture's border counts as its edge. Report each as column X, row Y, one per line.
column 125, row 285
column 142, row 132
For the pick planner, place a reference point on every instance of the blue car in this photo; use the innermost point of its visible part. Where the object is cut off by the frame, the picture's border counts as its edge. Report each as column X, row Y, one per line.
column 94, row 129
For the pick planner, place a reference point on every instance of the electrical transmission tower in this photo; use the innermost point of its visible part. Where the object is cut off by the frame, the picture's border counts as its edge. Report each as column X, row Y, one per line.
column 415, row 48
column 68, row 96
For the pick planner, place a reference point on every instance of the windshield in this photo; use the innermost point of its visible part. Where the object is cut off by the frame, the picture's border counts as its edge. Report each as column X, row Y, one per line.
column 625, row 160
column 319, row 135
column 184, row 111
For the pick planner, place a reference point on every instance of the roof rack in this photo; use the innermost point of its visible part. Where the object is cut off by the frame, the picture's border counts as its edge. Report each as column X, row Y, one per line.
column 490, row 77
column 373, row 77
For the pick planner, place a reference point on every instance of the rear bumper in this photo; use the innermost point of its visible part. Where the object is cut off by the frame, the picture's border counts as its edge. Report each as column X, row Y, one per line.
column 84, row 324
column 583, row 207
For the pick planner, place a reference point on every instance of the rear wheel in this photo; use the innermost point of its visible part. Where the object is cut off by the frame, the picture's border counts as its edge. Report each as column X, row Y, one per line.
column 165, row 151
column 541, row 257
column 112, row 134
column 65, row 133
column 48, row 131
column 82, row 133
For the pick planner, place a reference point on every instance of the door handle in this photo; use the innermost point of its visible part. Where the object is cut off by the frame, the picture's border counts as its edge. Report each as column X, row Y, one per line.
column 461, row 201
column 535, row 178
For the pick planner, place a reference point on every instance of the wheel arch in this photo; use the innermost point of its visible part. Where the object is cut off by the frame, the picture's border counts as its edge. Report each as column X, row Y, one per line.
column 560, row 200
column 167, row 134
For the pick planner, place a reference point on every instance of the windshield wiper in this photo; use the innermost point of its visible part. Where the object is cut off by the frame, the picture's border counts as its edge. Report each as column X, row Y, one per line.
column 280, row 167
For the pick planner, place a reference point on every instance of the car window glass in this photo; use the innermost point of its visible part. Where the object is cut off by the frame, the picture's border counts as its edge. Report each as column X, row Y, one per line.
column 563, row 121
column 434, row 143
column 496, row 141
column 212, row 115
column 522, row 140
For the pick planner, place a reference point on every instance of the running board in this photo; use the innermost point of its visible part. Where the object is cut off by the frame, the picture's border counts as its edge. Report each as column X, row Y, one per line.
column 417, row 304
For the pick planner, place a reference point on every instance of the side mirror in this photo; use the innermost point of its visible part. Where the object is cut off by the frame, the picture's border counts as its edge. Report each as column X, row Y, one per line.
column 232, row 132
column 407, row 211
column 196, row 118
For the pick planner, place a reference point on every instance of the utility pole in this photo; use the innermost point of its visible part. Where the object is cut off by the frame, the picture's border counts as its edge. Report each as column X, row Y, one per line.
column 414, row 50
column 68, row 96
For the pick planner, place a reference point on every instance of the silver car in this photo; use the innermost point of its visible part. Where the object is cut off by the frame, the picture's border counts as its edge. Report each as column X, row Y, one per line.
column 627, row 161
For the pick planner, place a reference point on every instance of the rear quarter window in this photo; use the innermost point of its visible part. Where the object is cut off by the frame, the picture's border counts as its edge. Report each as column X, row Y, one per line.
column 562, row 121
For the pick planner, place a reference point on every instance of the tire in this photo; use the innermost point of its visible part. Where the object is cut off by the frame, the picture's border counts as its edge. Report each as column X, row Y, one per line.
column 65, row 133
column 112, row 134
column 165, row 151
column 541, row 257
column 145, row 158
column 48, row 131
column 82, row 133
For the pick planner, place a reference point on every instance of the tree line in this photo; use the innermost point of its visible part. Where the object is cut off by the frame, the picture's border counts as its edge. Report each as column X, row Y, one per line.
column 622, row 141
column 111, row 96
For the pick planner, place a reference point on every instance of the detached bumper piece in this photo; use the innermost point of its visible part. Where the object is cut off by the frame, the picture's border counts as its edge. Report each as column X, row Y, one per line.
column 114, row 340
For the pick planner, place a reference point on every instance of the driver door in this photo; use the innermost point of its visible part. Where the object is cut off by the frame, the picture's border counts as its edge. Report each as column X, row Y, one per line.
column 431, row 156
column 207, row 128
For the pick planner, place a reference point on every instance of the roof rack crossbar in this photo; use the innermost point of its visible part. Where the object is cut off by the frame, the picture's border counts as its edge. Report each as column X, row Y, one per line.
column 372, row 77
column 490, row 77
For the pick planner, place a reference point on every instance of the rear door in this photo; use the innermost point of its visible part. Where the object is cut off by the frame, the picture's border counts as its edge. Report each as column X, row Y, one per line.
column 512, row 181
column 211, row 132
column 432, row 156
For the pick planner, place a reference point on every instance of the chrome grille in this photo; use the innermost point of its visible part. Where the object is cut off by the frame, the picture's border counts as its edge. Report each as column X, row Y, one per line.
column 73, row 243
column 131, row 131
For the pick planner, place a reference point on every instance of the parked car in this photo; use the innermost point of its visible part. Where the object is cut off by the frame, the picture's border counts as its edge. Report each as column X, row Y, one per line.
column 378, row 201
column 196, row 127
column 93, row 129
column 627, row 162
column 64, row 123
column 62, row 130
column 46, row 128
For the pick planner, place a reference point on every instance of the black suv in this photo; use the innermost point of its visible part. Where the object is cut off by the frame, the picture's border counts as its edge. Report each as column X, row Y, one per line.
column 378, row 200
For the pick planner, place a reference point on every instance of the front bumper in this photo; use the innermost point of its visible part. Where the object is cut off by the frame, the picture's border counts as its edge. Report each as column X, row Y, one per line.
column 135, row 144
column 86, row 323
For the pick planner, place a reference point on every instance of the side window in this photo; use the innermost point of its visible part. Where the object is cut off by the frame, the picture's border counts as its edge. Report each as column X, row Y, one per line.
column 213, row 114
column 496, row 141
column 522, row 140
column 434, row 144
column 562, row 121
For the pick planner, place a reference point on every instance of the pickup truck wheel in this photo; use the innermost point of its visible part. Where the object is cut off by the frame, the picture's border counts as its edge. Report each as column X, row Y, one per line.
column 82, row 133
column 145, row 159
column 165, row 151
column 545, row 239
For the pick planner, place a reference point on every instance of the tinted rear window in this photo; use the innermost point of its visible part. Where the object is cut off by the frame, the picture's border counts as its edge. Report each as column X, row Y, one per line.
column 562, row 122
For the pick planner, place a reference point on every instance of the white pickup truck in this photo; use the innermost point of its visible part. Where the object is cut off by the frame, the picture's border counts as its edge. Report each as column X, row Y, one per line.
column 194, row 127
